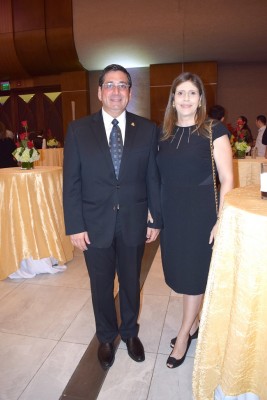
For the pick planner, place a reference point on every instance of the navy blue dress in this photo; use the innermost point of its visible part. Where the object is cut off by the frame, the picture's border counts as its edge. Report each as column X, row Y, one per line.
column 188, row 208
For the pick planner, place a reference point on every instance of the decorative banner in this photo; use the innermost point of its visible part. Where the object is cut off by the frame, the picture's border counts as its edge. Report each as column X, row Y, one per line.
column 3, row 99
column 26, row 97
column 53, row 95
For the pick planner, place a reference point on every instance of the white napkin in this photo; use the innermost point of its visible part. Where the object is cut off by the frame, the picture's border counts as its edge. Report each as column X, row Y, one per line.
column 30, row 268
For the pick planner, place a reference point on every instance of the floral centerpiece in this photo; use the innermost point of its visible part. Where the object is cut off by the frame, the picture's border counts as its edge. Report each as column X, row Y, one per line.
column 238, row 143
column 52, row 142
column 25, row 151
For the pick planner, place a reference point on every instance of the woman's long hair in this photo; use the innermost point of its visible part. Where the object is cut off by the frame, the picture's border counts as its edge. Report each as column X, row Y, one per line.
column 171, row 118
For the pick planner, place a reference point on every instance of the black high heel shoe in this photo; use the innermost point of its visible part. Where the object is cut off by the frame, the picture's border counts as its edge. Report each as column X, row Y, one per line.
column 173, row 362
column 194, row 336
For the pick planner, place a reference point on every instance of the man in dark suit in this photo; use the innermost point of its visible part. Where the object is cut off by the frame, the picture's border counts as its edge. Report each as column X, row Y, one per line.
column 107, row 200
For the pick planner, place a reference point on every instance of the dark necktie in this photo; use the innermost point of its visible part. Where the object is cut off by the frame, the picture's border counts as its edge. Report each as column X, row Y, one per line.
column 116, row 146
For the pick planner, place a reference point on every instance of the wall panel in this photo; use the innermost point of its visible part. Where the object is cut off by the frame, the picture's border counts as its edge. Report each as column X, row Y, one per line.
column 162, row 76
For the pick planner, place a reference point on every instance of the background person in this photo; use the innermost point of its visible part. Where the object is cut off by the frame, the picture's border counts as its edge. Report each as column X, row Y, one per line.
column 7, row 146
column 217, row 112
column 242, row 127
column 187, row 196
column 106, row 206
column 261, row 125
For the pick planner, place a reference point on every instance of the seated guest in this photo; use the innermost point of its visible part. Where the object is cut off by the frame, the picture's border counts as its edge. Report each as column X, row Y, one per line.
column 217, row 112
column 261, row 140
column 7, row 146
column 10, row 134
column 37, row 138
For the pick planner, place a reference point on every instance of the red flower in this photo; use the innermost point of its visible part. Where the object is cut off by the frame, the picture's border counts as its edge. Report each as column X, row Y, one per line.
column 30, row 144
column 22, row 136
column 24, row 124
column 18, row 144
column 241, row 135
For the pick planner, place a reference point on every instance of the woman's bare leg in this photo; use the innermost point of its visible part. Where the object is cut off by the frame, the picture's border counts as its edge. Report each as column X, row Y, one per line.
column 191, row 308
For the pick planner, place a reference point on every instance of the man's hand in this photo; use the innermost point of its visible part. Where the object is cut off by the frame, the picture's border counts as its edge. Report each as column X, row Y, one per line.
column 151, row 234
column 80, row 240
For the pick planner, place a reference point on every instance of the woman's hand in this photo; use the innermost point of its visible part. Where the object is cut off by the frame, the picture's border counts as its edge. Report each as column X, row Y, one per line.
column 213, row 233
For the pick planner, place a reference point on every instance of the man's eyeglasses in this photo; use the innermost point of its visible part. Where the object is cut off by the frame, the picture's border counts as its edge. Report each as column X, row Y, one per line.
column 111, row 86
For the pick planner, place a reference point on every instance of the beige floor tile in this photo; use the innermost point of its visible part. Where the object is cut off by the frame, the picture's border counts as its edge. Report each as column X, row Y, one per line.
column 155, row 283
column 75, row 276
column 53, row 376
column 21, row 357
column 127, row 379
column 41, row 311
column 171, row 324
column 82, row 328
column 8, row 285
column 171, row 384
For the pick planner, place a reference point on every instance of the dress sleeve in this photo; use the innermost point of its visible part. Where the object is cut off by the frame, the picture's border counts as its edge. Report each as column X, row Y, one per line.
column 218, row 130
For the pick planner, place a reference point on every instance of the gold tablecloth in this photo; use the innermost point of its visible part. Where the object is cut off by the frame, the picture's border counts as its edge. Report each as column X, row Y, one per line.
column 247, row 171
column 232, row 345
column 31, row 217
column 53, row 157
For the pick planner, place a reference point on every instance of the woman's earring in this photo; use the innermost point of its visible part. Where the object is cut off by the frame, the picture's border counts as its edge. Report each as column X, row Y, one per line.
column 173, row 105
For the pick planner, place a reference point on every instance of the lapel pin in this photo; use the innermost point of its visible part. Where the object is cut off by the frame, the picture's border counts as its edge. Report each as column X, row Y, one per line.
column 133, row 124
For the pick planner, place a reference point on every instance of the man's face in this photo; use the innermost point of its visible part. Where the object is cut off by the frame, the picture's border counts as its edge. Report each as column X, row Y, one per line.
column 114, row 99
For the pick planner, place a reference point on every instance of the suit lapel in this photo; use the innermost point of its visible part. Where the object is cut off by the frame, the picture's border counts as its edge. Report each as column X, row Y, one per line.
column 130, row 132
column 101, row 137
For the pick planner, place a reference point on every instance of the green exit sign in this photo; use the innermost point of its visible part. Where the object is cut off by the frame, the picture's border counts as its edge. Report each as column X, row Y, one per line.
column 5, row 85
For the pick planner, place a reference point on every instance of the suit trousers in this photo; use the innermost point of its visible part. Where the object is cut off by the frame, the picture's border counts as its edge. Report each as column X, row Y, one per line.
column 102, row 264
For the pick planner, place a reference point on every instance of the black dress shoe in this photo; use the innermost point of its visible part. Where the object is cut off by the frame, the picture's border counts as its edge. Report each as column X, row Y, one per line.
column 135, row 348
column 194, row 336
column 106, row 355
column 172, row 362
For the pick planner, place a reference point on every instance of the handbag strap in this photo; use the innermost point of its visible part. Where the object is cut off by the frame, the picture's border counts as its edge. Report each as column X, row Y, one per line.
column 213, row 171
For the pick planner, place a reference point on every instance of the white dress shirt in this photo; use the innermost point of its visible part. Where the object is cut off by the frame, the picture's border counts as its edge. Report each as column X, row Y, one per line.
column 261, row 147
column 108, row 123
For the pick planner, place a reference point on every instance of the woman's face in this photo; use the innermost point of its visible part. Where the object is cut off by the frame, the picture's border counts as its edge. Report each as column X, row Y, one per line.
column 186, row 100
column 240, row 122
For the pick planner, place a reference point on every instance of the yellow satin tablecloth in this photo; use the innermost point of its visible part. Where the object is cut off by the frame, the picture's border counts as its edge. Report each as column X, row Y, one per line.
column 232, row 345
column 53, row 157
column 247, row 171
column 31, row 217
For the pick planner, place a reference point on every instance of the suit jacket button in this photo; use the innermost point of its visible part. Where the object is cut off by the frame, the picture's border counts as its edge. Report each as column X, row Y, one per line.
column 118, row 186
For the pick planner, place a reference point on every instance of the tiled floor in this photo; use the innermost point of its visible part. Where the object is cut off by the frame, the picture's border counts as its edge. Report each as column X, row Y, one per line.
column 46, row 324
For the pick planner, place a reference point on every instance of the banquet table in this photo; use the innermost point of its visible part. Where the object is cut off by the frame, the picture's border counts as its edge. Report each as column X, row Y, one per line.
column 231, row 351
column 247, row 171
column 53, row 157
column 31, row 217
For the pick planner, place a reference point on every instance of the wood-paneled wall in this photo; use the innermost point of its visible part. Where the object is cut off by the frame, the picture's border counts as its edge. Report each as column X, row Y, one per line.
column 38, row 55
column 162, row 76
column 36, row 38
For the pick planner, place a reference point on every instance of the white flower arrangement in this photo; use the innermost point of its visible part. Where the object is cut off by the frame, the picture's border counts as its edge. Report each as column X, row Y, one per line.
column 25, row 154
column 25, row 151
column 52, row 143
column 242, row 146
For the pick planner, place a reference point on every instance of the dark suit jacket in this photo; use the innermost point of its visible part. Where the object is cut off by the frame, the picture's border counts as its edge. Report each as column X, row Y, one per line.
column 264, row 137
column 91, row 191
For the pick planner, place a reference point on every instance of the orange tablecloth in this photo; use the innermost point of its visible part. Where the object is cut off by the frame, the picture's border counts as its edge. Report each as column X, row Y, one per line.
column 247, row 171
column 53, row 157
column 231, row 349
column 31, row 217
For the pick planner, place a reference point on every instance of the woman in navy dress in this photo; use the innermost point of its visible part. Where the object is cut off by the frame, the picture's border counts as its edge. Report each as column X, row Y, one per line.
column 188, row 199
